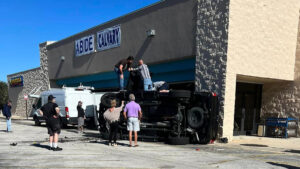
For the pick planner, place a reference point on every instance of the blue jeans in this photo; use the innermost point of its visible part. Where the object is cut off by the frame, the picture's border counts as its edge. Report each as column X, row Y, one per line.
column 121, row 81
column 148, row 86
column 8, row 123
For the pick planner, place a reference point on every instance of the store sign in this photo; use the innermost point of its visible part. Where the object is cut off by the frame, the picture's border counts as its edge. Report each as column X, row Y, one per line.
column 84, row 45
column 109, row 38
column 16, row 81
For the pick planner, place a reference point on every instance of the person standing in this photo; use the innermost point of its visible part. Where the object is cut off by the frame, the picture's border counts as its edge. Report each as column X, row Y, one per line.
column 7, row 113
column 144, row 70
column 81, row 116
column 112, row 116
column 120, row 67
column 133, row 114
column 50, row 111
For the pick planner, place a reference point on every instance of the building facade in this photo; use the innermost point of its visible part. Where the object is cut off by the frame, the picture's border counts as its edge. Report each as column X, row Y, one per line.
column 29, row 82
column 245, row 51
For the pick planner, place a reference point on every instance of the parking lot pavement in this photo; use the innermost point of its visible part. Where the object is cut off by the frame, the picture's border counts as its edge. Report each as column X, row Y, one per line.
column 89, row 151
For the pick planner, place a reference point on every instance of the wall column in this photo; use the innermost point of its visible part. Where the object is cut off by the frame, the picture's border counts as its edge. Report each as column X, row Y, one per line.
column 211, row 49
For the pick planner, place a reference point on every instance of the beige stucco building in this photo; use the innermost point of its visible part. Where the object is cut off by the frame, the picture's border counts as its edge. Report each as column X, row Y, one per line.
column 262, row 49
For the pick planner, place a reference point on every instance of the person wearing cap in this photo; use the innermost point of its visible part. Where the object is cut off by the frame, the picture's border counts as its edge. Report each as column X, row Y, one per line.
column 112, row 116
column 120, row 67
column 133, row 114
column 81, row 116
column 50, row 112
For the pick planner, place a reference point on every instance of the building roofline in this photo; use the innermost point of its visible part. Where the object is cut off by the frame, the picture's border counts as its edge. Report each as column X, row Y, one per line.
column 23, row 72
column 107, row 22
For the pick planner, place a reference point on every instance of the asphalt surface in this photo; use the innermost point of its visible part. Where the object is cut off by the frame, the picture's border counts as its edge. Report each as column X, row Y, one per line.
column 87, row 150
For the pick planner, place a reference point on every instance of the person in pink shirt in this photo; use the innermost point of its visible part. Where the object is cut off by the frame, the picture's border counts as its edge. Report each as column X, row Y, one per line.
column 133, row 114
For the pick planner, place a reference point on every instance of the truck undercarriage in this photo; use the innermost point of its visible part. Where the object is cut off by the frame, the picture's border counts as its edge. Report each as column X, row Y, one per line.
column 177, row 116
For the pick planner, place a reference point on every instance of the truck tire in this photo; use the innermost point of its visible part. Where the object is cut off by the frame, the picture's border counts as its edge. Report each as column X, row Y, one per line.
column 180, row 93
column 196, row 117
column 36, row 121
column 178, row 140
column 204, row 140
column 106, row 99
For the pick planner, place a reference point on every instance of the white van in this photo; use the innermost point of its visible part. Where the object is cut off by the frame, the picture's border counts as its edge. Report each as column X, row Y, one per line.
column 67, row 99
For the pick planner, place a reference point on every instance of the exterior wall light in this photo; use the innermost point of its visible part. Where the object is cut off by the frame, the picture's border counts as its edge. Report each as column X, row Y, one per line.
column 151, row 32
column 62, row 58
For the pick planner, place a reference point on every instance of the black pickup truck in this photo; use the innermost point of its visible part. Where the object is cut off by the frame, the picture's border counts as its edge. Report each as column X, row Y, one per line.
column 177, row 116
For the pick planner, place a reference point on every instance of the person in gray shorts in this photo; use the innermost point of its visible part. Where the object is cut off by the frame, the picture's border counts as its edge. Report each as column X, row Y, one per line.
column 133, row 114
column 81, row 117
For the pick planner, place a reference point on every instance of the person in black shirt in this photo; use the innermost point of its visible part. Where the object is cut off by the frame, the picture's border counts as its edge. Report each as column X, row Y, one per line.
column 7, row 113
column 81, row 116
column 50, row 112
column 120, row 67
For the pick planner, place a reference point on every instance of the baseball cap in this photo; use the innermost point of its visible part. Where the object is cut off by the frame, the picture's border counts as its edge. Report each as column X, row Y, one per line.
column 51, row 97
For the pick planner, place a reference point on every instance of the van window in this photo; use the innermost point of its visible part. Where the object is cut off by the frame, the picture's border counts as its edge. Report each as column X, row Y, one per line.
column 39, row 103
column 44, row 99
column 60, row 100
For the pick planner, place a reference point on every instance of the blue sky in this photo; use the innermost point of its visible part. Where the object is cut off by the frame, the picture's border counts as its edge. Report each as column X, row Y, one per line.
column 24, row 24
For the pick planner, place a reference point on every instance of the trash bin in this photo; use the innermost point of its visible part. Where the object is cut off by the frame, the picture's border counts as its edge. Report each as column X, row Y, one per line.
column 261, row 130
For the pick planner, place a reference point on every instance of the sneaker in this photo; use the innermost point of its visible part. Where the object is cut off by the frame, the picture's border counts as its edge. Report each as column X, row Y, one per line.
column 115, row 144
column 57, row 149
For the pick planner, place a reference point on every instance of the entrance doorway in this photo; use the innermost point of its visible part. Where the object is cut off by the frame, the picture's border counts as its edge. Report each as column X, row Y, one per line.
column 247, row 108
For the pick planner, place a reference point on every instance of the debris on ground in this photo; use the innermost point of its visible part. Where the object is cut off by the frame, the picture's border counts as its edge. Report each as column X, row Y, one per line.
column 224, row 140
column 13, row 144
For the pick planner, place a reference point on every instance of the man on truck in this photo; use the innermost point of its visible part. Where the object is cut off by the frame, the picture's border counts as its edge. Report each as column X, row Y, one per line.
column 144, row 70
column 120, row 67
column 50, row 111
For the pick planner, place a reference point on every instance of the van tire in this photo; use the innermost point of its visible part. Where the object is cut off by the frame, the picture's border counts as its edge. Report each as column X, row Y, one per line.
column 36, row 121
column 178, row 140
column 64, row 125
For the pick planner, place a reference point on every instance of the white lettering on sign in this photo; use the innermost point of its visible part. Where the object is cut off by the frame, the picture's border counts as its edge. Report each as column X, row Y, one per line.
column 84, row 45
column 109, row 38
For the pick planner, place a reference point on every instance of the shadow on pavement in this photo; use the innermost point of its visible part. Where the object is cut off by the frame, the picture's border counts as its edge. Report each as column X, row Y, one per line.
column 292, row 151
column 40, row 146
column 254, row 145
column 25, row 122
column 71, row 130
column 106, row 143
column 87, row 134
column 284, row 165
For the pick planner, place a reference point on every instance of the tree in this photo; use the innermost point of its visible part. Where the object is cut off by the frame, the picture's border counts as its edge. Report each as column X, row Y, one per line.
column 3, row 93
